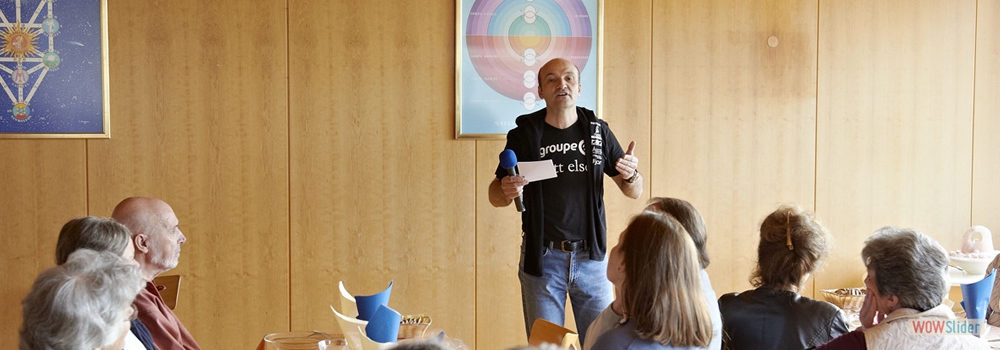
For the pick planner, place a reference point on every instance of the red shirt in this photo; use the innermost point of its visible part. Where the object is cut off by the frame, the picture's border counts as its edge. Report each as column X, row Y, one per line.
column 166, row 329
column 854, row 340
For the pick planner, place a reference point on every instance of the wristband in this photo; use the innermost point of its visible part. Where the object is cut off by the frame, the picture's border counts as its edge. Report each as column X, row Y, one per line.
column 631, row 179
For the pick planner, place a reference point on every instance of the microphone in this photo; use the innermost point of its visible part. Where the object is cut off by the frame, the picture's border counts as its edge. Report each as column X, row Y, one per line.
column 508, row 160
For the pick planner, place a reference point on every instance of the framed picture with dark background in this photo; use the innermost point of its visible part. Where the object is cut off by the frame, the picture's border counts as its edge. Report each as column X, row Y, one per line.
column 54, row 69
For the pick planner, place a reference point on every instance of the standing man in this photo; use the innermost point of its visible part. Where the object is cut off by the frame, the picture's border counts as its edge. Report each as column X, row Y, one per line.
column 564, row 242
column 157, row 239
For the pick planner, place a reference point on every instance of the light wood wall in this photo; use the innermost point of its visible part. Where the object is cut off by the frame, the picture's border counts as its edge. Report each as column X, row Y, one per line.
column 200, row 119
column 734, row 118
column 380, row 190
column 306, row 142
column 986, row 117
column 894, row 134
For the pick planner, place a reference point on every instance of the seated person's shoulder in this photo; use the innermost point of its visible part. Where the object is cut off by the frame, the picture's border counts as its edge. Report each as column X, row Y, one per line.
column 736, row 298
column 620, row 337
column 624, row 338
column 818, row 307
column 729, row 296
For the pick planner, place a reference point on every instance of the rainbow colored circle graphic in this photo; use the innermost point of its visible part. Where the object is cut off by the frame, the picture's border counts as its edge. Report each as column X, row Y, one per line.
column 509, row 40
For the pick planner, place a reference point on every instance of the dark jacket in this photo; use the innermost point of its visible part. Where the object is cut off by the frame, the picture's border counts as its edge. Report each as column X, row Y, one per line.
column 142, row 333
column 525, row 140
column 766, row 319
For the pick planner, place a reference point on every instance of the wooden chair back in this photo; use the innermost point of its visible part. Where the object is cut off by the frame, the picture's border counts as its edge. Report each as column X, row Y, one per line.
column 168, row 286
column 543, row 331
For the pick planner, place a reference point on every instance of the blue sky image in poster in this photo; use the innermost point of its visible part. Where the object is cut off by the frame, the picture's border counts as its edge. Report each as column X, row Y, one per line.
column 50, row 66
column 503, row 45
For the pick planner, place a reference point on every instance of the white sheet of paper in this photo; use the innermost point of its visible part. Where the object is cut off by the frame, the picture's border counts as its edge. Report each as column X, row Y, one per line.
column 537, row 171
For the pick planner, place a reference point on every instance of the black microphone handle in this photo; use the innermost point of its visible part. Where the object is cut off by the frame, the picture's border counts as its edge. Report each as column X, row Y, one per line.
column 519, row 202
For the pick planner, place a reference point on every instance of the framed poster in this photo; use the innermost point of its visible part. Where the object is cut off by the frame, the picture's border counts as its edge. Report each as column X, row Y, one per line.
column 54, row 69
column 501, row 44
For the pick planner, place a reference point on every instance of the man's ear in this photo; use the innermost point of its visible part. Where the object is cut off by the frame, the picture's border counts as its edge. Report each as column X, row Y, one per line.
column 141, row 243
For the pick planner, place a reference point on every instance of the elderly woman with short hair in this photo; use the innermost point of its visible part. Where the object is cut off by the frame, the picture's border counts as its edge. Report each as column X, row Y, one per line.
column 94, row 233
column 103, row 235
column 905, row 283
column 83, row 304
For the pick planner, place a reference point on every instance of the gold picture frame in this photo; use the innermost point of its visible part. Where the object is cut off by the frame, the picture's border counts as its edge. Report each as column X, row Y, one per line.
column 54, row 69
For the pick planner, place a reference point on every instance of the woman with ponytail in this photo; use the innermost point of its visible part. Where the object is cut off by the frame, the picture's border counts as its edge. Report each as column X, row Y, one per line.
column 792, row 245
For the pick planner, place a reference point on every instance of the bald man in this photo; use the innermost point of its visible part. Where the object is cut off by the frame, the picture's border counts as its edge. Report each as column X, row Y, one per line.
column 157, row 238
column 563, row 229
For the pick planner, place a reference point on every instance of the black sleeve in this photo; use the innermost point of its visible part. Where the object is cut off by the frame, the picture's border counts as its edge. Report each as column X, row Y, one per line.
column 839, row 325
column 501, row 172
column 612, row 150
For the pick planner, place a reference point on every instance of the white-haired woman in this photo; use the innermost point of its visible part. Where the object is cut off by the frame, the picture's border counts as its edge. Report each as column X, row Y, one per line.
column 83, row 304
column 905, row 285
column 103, row 235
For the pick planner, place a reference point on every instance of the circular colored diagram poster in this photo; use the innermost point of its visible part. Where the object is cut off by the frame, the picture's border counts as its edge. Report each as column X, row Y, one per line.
column 505, row 42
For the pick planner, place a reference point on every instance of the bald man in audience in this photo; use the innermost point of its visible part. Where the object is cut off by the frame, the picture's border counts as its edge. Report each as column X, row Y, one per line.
column 157, row 239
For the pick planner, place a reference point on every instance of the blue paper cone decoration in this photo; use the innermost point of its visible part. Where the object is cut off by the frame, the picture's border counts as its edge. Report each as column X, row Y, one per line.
column 368, row 304
column 976, row 297
column 384, row 325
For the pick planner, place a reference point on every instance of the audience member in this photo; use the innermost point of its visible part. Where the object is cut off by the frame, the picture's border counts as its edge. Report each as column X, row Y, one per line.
column 157, row 239
column 792, row 245
column 103, row 235
column 94, row 233
column 85, row 303
column 428, row 344
column 694, row 224
column 655, row 268
column 992, row 316
column 545, row 346
column 905, row 285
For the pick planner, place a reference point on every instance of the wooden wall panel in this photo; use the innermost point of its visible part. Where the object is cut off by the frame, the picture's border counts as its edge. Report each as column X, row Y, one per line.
column 986, row 150
column 200, row 120
column 895, row 121
column 627, row 100
column 44, row 185
column 733, row 118
column 500, row 324
column 380, row 189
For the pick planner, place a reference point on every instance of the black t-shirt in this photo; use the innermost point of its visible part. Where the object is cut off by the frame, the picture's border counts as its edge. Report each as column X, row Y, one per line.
column 566, row 195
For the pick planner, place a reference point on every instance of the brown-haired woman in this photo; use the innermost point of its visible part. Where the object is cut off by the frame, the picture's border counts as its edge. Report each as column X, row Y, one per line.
column 656, row 270
column 694, row 224
column 792, row 245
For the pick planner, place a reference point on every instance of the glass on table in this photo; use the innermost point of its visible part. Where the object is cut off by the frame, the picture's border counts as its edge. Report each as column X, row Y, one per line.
column 302, row 341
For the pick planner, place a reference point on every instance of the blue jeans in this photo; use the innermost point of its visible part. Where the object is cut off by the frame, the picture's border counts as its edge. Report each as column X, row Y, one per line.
column 585, row 280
